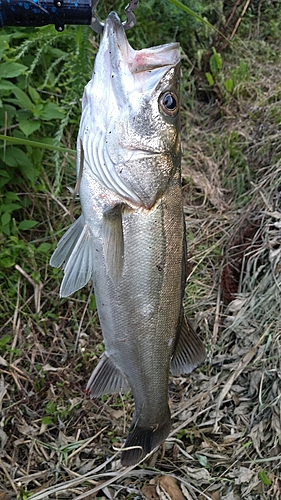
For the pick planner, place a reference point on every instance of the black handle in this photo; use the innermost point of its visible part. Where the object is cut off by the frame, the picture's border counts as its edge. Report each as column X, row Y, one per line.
column 43, row 12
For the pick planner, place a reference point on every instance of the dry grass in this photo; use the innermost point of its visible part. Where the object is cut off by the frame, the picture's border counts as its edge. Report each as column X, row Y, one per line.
column 226, row 439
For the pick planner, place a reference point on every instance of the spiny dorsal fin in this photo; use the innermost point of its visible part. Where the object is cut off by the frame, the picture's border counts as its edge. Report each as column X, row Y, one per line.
column 113, row 243
column 75, row 249
column 189, row 350
column 106, row 379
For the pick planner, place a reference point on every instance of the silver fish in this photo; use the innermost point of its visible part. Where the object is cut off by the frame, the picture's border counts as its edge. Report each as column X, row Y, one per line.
column 130, row 238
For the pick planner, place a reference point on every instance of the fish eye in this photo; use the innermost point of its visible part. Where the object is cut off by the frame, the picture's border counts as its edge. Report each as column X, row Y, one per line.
column 169, row 103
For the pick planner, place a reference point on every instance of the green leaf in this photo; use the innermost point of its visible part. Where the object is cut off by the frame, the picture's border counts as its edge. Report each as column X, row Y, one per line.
column 38, row 109
column 92, row 303
column 47, row 420
column 216, row 60
column 5, row 219
column 44, row 247
column 6, row 85
column 4, row 340
column 229, row 84
column 35, row 96
column 15, row 157
column 7, row 261
column 7, row 114
column 12, row 69
column 24, row 225
column 213, row 65
column 202, row 459
column 51, row 111
column 28, row 126
column 31, row 174
column 210, row 79
column 4, row 43
column 11, row 196
column 23, row 99
column 4, row 178
column 262, row 475
column 51, row 407
column 9, row 207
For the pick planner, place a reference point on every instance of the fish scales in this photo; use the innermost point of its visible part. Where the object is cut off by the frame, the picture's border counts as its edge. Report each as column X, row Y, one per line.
column 130, row 237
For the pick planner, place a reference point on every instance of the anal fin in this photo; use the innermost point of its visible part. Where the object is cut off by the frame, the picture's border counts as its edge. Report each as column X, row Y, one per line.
column 189, row 349
column 106, row 379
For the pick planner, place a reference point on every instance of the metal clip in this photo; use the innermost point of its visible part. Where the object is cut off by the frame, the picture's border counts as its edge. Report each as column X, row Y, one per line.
column 98, row 26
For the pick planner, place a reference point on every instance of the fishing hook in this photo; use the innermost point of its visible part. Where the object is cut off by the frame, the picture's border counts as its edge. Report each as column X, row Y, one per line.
column 98, row 26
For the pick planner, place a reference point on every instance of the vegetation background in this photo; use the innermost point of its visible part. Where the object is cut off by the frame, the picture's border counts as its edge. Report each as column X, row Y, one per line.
column 226, row 440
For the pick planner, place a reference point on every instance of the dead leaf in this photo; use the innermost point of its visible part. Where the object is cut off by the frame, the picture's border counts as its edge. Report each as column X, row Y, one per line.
column 242, row 475
column 149, row 490
column 198, row 474
column 257, row 436
column 240, row 367
column 3, row 362
column 232, row 437
column 3, row 439
column 253, row 483
column 216, row 495
column 168, row 486
column 117, row 413
column 49, row 368
column 186, row 493
column 231, row 496
column 28, row 430
column 75, row 402
column 255, row 382
column 25, row 480
column 276, row 421
column 63, row 440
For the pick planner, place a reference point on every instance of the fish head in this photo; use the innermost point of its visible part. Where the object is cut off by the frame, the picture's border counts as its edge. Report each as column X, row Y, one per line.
column 131, row 116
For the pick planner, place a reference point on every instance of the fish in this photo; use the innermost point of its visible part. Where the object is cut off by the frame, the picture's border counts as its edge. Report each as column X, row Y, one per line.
column 130, row 236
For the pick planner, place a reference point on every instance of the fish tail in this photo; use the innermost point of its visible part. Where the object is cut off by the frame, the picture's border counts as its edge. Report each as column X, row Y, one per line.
column 142, row 440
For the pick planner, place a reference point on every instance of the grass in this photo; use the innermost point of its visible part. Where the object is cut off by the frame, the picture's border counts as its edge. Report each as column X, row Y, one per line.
column 225, row 442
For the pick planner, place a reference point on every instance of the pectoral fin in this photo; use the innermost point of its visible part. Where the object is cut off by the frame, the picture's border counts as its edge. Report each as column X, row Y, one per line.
column 113, row 243
column 67, row 243
column 189, row 350
column 75, row 249
column 106, row 379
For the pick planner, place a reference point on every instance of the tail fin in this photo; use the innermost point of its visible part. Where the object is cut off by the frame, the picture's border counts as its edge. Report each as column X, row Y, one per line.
column 143, row 441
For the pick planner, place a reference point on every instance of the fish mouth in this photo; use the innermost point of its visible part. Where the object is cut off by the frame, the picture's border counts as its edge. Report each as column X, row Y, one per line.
column 137, row 61
column 136, row 153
